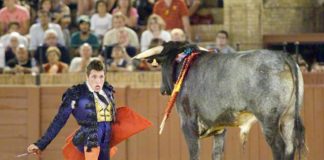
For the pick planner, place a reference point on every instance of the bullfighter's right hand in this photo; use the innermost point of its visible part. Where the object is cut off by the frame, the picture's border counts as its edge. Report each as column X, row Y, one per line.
column 33, row 149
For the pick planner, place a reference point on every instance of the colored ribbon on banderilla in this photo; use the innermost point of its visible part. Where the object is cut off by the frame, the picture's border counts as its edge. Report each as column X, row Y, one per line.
column 177, row 87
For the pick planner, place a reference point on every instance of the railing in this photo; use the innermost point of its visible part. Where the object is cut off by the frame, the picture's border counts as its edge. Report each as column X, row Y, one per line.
column 292, row 42
column 118, row 79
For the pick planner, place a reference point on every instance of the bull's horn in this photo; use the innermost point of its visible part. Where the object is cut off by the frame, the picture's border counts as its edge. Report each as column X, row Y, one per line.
column 203, row 49
column 149, row 52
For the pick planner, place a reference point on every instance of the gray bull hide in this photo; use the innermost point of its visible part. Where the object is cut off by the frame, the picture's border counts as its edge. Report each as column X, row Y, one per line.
column 235, row 90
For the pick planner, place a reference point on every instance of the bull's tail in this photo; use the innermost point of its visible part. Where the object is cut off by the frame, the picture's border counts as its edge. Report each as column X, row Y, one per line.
column 291, row 117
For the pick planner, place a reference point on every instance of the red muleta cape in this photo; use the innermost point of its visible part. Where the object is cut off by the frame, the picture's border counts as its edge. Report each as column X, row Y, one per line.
column 128, row 123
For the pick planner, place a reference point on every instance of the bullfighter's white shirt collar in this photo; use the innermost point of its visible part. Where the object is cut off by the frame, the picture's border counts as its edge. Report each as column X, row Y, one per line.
column 91, row 90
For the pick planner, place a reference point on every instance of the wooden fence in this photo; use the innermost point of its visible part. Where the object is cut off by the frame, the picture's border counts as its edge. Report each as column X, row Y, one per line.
column 26, row 111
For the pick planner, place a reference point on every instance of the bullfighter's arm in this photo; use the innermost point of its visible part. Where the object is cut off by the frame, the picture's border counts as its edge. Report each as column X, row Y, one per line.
column 59, row 121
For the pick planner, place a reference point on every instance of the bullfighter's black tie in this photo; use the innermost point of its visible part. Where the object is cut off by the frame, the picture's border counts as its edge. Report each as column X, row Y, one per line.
column 102, row 98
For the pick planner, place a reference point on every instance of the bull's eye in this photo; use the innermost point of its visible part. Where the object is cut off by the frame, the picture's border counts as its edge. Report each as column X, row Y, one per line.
column 155, row 63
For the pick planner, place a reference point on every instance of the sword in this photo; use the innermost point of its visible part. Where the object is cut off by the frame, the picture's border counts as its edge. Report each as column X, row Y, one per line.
column 23, row 155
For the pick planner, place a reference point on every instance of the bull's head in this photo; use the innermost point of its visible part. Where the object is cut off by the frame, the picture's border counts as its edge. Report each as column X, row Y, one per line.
column 165, row 55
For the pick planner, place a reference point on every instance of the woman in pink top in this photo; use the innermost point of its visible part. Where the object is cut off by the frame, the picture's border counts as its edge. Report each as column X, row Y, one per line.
column 125, row 7
column 14, row 13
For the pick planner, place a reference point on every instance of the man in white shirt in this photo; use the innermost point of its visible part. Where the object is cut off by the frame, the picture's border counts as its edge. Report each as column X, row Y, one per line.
column 178, row 35
column 222, row 43
column 119, row 22
column 37, row 31
column 78, row 64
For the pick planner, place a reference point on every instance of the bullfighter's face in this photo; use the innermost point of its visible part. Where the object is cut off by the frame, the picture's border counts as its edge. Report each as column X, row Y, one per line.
column 96, row 80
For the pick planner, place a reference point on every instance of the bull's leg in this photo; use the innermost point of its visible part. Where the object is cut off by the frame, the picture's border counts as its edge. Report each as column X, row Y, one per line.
column 274, row 139
column 218, row 145
column 190, row 131
column 287, row 134
column 292, row 132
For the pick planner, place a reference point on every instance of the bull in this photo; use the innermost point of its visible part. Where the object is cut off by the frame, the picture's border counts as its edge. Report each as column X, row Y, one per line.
column 235, row 90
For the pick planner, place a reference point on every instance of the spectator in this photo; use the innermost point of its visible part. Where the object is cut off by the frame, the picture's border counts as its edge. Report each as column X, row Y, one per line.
column 51, row 40
column 61, row 13
column 21, row 63
column 119, row 22
column 155, row 29
column 316, row 67
column 175, row 14
column 11, row 49
column 84, row 35
column 62, row 16
column 54, row 66
column 34, row 6
column 145, row 9
column 314, row 64
column 177, row 35
column 14, row 13
column 123, row 40
column 222, row 43
column 46, row 5
column 13, row 27
column 111, row 5
column 101, row 21
column 125, row 7
column 120, row 60
column 37, row 31
column 85, row 7
column 79, row 64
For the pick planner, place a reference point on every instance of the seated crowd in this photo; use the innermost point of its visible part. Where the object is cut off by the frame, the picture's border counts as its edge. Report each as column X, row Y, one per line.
column 59, row 36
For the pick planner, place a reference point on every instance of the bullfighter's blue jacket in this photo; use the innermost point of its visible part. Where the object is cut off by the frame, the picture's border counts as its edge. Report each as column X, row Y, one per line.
column 79, row 101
